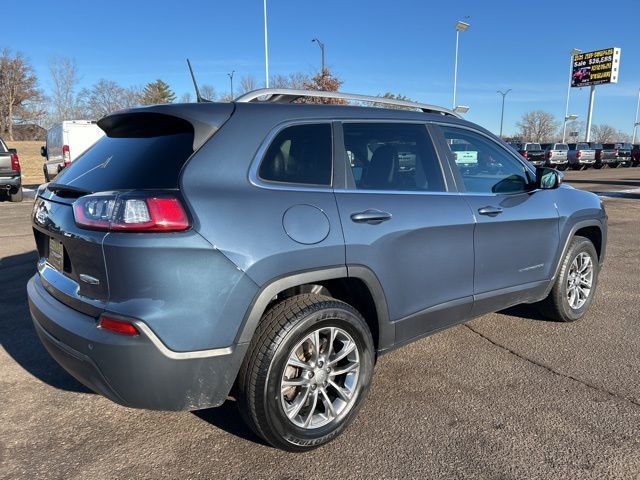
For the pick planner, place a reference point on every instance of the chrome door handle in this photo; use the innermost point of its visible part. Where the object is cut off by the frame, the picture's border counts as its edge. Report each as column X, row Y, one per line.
column 490, row 211
column 372, row 217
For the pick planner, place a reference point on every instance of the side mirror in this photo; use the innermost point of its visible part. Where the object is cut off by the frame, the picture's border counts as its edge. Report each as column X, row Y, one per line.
column 13, row 151
column 548, row 178
column 43, row 151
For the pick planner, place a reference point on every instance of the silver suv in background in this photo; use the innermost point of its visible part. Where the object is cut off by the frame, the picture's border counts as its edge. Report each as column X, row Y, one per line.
column 555, row 155
column 581, row 156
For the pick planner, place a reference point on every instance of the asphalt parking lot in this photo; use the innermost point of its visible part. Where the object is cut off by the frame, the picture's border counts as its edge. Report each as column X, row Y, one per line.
column 507, row 395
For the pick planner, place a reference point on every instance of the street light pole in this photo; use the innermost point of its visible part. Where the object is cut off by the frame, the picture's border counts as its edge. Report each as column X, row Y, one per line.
column 504, row 94
column 266, row 48
column 460, row 27
column 230, row 75
column 636, row 123
column 321, row 45
column 574, row 52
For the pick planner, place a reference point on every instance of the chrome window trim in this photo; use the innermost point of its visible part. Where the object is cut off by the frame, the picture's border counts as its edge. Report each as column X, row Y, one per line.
column 258, row 158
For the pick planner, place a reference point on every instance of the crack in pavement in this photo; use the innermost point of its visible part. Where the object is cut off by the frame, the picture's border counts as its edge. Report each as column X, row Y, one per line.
column 552, row 370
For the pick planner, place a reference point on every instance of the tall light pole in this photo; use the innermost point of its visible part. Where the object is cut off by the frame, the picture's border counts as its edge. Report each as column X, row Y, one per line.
column 460, row 27
column 504, row 94
column 574, row 52
column 636, row 124
column 230, row 75
column 266, row 48
column 321, row 45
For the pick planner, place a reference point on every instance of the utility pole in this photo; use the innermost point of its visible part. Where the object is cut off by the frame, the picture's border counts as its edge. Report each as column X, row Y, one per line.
column 636, row 124
column 321, row 45
column 460, row 27
column 230, row 75
column 266, row 48
column 592, row 96
column 504, row 94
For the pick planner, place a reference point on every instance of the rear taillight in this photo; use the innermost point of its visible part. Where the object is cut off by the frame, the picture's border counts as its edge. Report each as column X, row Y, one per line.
column 15, row 162
column 578, row 154
column 131, row 212
column 116, row 325
column 525, row 154
column 66, row 155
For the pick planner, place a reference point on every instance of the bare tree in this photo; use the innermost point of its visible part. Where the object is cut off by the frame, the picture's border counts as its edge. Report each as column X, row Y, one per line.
column 64, row 100
column 573, row 127
column 603, row 133
column 21, row 100
column 107, row 96
column 185, row 98
column 248, row 83
column 296, row 80
column 622, row 136
column 393, row 96
column 537, row 126
column 208, row 92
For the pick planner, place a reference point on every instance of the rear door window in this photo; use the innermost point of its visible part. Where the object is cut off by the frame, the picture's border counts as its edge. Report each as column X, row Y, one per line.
column 394, row 156
column 300, row 154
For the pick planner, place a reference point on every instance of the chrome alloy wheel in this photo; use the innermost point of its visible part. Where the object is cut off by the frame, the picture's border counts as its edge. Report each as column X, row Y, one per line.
column 320, row 378
column 579, row 280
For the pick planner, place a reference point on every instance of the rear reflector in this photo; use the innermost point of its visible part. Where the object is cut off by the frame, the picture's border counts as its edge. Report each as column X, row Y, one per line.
column 121, row 327
column 131, row 212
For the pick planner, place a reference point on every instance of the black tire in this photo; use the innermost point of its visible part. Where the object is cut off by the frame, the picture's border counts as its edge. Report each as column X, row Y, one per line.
column 258, row 385
column 556, row 306
column 46, row 175
column 16, row 196
column 598, row 167
column 576, row 166
column 561, row 167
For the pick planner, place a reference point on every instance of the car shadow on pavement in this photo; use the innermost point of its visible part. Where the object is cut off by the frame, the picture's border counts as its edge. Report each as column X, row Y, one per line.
column 227, row 417
column 525, row 311
column 17, row 334
column 627, row 182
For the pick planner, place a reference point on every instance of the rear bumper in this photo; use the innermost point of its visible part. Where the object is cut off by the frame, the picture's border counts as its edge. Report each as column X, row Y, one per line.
column 138, row 371
column 13, row 182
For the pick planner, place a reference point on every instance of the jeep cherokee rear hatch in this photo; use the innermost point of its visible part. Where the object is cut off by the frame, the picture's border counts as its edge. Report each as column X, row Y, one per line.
column 128, row 182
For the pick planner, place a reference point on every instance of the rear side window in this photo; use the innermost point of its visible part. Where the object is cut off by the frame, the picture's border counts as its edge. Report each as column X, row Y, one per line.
column 147, row 155
column 392, row 156
column 301, row 154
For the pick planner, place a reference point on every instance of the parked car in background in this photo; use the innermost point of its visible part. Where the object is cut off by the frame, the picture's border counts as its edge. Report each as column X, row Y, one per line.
column 10, row 175
column 581, row 156
column 604, row 156
column 635, row 155
column 66, row 141
column 531, row 151
column 150, row 291
column 624, row 152
column 555, row 155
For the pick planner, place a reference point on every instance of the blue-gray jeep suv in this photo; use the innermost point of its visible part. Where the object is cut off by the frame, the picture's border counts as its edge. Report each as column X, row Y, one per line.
column 269, row 251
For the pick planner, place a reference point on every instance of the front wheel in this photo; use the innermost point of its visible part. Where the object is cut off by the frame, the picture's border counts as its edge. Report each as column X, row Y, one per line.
column 306, row 373
column 575, row 285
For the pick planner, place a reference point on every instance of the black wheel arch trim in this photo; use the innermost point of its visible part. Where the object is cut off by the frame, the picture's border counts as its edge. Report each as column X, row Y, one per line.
column 386, row 330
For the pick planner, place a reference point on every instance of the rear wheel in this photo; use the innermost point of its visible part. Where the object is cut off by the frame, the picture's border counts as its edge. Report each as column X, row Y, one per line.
column 575, row 285
column 614, row 165
column 306, row 373
column 16, row 196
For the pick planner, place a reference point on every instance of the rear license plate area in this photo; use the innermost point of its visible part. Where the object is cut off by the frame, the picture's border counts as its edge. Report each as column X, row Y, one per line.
column 56, row 254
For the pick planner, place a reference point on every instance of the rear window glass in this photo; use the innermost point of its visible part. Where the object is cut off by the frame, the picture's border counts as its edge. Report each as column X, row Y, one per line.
column 149, row 162
column 533, row 146
column 562, row 146
column 300, row 154
column 597, row 146
column 583, row 146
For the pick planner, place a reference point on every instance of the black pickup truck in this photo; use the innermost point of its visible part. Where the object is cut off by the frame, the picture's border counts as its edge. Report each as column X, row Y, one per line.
column 10, row 176
column 604, row 156
column 532, row 152
column 624, row 152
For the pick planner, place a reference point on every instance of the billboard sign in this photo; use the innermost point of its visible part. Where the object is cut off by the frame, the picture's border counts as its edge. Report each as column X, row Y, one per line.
column 595, row 68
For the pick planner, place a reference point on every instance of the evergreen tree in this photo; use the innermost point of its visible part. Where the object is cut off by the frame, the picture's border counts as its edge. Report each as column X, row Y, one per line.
column 157, row 92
